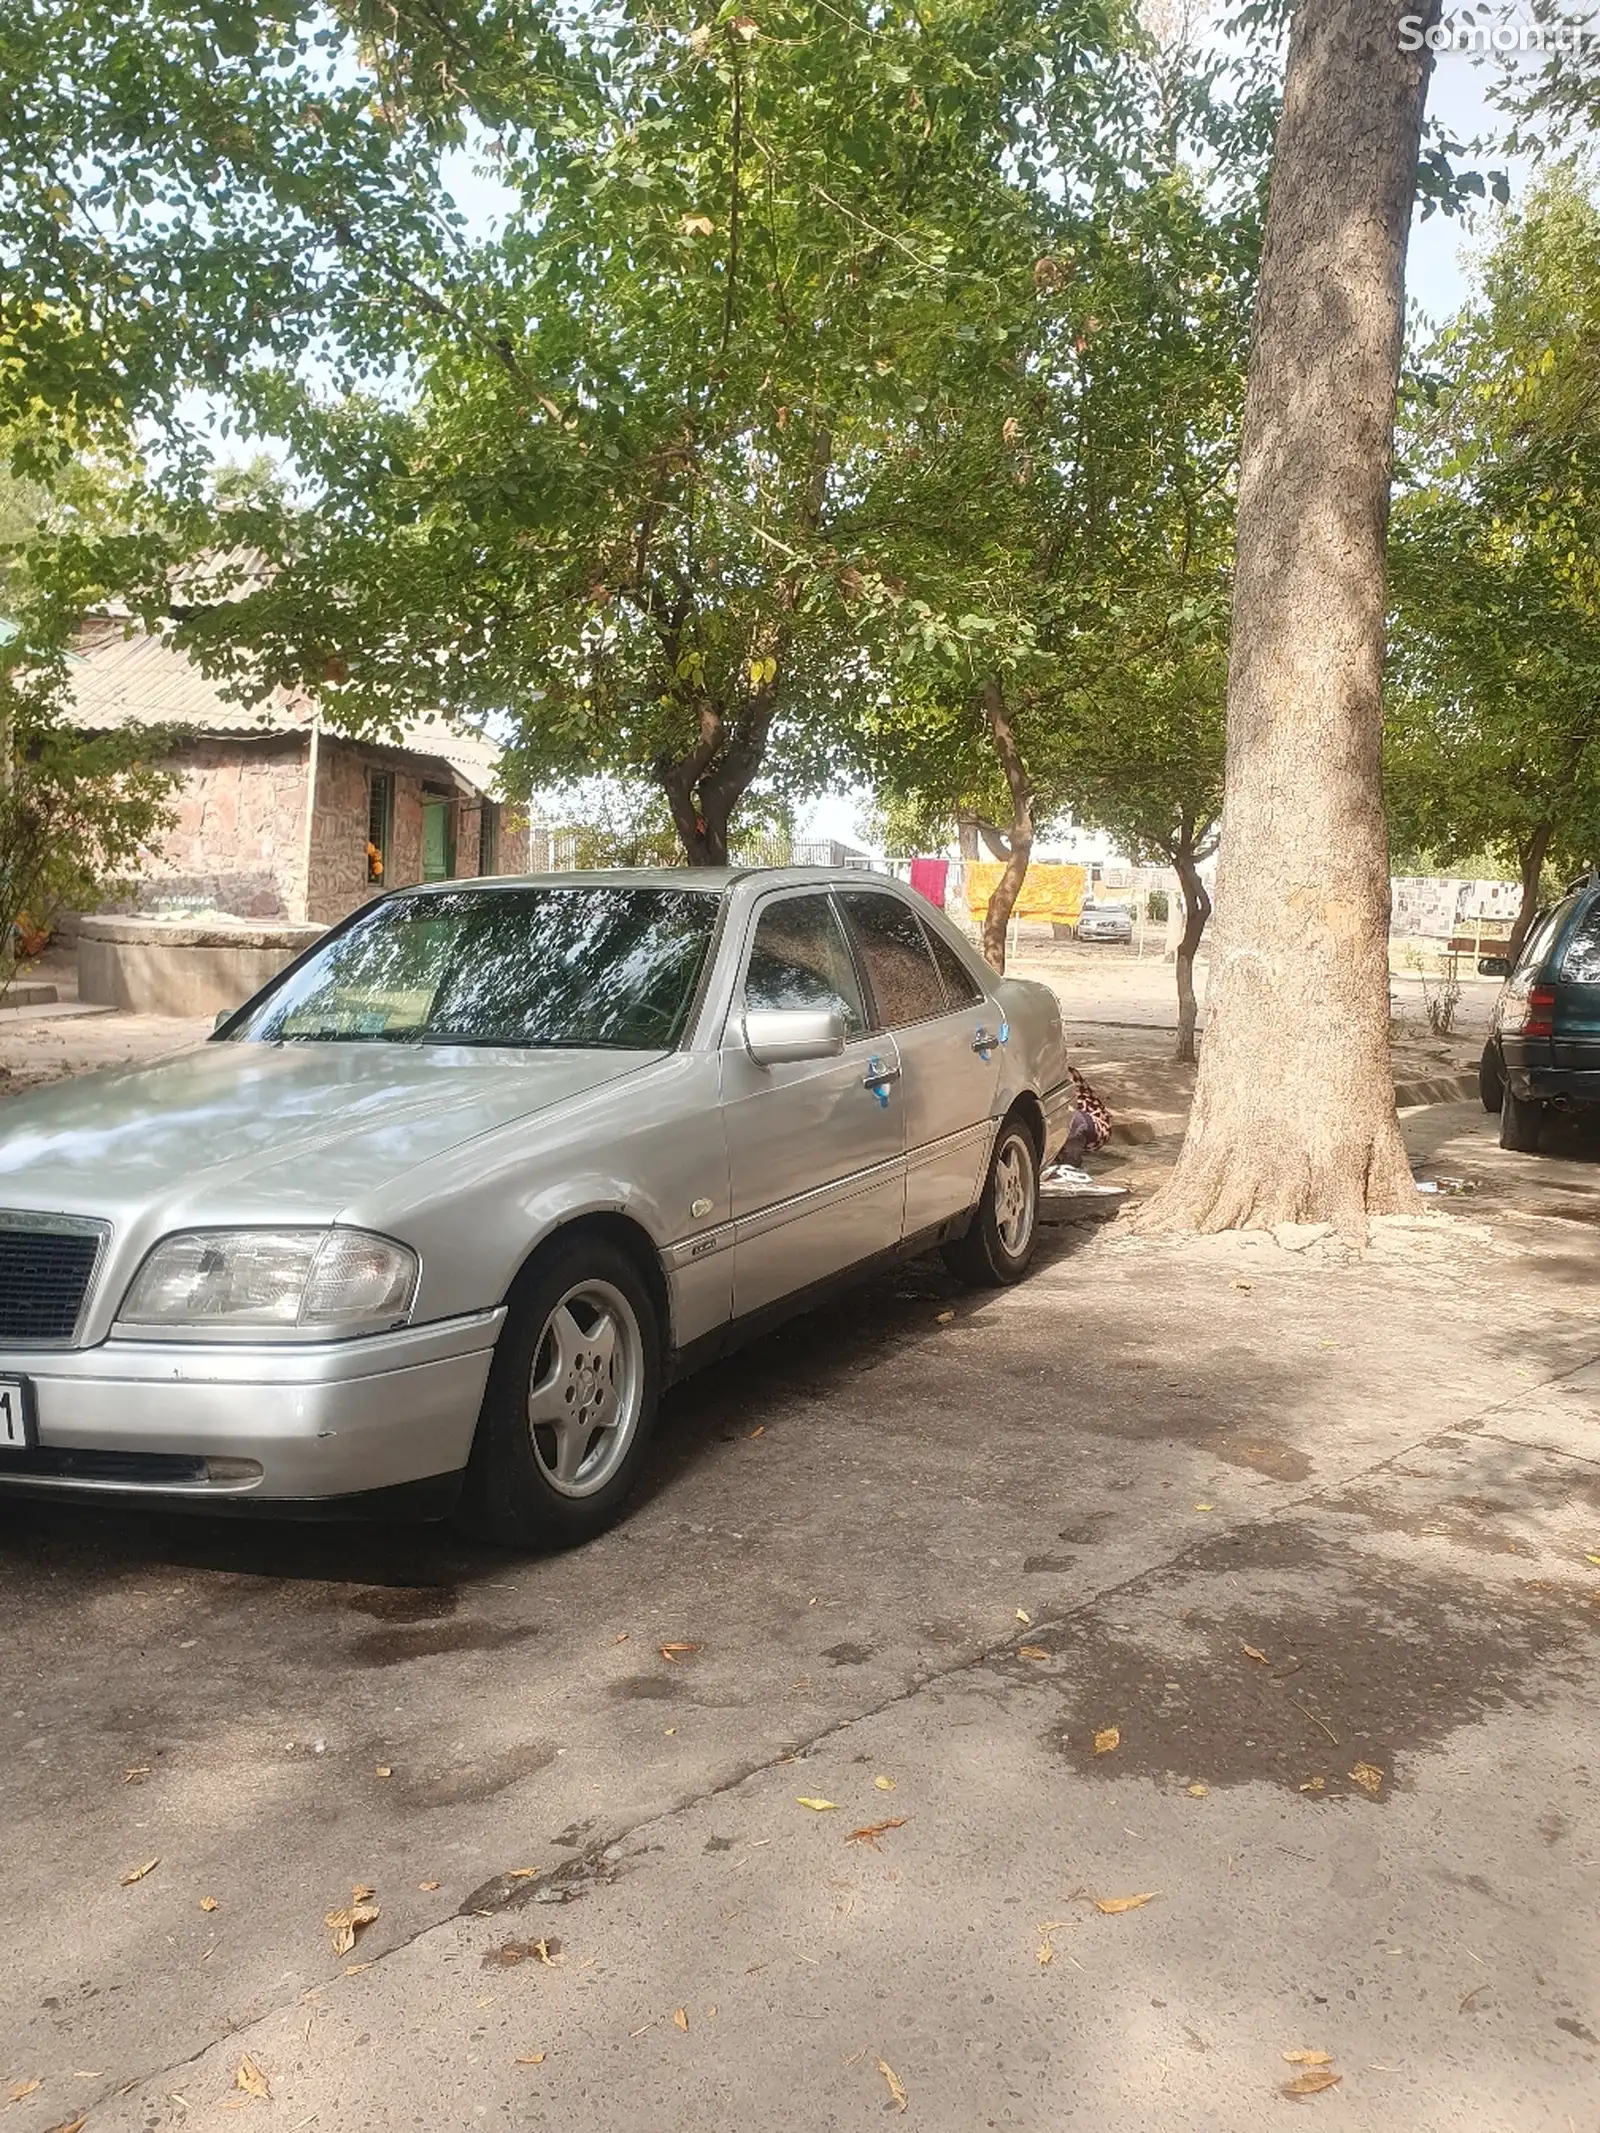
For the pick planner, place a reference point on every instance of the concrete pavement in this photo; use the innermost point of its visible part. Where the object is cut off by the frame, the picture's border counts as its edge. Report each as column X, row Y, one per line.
column 1380, row 1475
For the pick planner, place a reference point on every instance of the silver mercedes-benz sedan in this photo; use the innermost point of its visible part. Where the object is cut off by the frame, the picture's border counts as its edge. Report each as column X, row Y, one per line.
column 431, row 1220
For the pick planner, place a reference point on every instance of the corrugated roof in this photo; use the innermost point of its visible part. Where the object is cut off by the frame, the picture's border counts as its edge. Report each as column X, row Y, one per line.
column 120, row 680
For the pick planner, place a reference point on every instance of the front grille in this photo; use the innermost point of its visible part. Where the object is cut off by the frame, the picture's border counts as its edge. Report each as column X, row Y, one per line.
column 45, row 1270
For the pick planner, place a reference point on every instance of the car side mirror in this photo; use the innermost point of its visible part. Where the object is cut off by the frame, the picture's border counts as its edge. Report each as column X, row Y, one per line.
column 1494, row 966
column 224, row 1014
column 773, row 1036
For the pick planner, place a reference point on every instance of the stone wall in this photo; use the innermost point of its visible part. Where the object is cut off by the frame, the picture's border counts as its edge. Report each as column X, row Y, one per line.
column 237, row 843
column 339, row 883
column 239, row 847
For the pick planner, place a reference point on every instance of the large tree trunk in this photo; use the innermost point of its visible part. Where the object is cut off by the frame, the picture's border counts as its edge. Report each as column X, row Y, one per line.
column 1294, row 1115
column 1196, row 910
column 1530, row 861
column 1017, row 847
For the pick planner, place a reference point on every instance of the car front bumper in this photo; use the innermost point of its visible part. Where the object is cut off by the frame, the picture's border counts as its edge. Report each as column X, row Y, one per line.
column 283, row 1425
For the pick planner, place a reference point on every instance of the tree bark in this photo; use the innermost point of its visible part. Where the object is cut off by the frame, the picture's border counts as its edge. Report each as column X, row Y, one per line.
column 1294, row 1116
column 704, row 787
column 1018, row 842
column 1530, row 862
column 967, row 836
column 1197, row 909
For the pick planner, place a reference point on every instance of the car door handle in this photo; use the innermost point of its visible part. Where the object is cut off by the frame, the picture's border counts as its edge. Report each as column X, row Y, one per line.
column 880, row 1077
column 985, row 1040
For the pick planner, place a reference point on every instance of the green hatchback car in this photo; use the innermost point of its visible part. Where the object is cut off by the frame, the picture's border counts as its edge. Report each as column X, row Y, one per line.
column 1543, row 1052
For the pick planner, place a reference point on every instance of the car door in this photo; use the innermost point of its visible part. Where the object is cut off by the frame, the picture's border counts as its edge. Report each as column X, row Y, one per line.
column 816, row 1148
column 937, row 1012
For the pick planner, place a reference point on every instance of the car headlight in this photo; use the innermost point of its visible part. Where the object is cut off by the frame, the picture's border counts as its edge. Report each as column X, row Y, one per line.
column 308, row 1283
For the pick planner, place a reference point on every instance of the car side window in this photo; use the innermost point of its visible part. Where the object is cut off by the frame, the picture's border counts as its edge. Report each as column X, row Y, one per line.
column 894, row 950
column 799, row 958
column 1540, row 940
column 1581, row 963
column 961, row 988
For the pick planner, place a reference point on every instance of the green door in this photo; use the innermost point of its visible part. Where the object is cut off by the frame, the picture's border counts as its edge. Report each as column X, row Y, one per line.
column 437, row 816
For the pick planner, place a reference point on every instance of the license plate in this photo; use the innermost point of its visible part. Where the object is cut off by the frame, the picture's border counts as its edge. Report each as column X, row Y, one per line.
column 16, row 1414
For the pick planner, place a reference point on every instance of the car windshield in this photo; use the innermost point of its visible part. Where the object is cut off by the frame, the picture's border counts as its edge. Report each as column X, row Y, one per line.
column 608, row 968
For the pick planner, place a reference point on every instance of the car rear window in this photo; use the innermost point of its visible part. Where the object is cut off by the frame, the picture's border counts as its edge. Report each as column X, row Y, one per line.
column 1581, row 963
column 1538, row 944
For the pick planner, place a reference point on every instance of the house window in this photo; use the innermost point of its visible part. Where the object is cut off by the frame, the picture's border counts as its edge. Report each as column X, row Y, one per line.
column 489, row 838
column 380, row 822
column 438, row 838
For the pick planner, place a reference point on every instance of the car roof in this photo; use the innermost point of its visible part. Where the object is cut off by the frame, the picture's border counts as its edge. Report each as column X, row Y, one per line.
column 709, row 880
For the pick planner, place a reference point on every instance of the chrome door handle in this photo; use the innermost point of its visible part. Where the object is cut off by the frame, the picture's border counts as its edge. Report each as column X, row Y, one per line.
column 880, row 1077
column 984, row 1041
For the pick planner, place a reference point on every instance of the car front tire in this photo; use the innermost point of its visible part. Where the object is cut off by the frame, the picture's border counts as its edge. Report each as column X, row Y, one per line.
column 571, row 1401
column 1000, row 1241
column 1521, row 1119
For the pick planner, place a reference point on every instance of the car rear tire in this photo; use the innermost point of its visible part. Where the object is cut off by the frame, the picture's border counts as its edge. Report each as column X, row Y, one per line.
column 1491, row 1082
column 1004, row 1229
column 571, row 1400
column 1521, row 1119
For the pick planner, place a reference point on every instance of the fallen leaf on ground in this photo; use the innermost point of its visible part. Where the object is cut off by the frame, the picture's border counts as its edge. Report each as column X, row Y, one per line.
column 345, row 1924
column 518, row 1873
column 1032, row 1651
column 623, row 1638
column 1111, row 1905
column 1106, row 1739
column 1250, row 1652
column 1311, row 2083
column 135, row 1771
column 548, row 1952
column 1368, row 1776
column 945, row 1317
column 251, row 2079
column 72, row 2125
column 1024, row 1617
column 818, row 1807
column 671, row 1651
column 1046, row 1950
column 24, row 2088
column 1306, row 2058
column 760, row 1430
column 361, row 1892
column 874, row 1830
column 531, row 2059
column 1587, row 1559
column 1197, row 1792
column 897, row 2088
column 681, row 2017
column 1205, row 1507
column 137, row 1873
column 884, row 1784
column 427, row 1886
column 208, row 1903
column 1314, row 1785
column 1241, row 1284
column 384, row 1771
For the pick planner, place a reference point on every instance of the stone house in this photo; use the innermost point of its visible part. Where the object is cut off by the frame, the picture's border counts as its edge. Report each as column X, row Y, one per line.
column 282, row 818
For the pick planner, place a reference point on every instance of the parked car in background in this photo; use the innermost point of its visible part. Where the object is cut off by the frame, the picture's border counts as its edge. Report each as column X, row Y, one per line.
column 1105, row 922
column 1543, row 1052
column 434, row 1217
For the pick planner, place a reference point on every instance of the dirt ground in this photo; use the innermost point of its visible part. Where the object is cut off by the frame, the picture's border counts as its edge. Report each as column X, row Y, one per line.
column 1111, row 1702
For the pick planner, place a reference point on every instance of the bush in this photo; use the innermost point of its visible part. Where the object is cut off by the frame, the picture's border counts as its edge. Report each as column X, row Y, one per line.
column 1155, row 907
